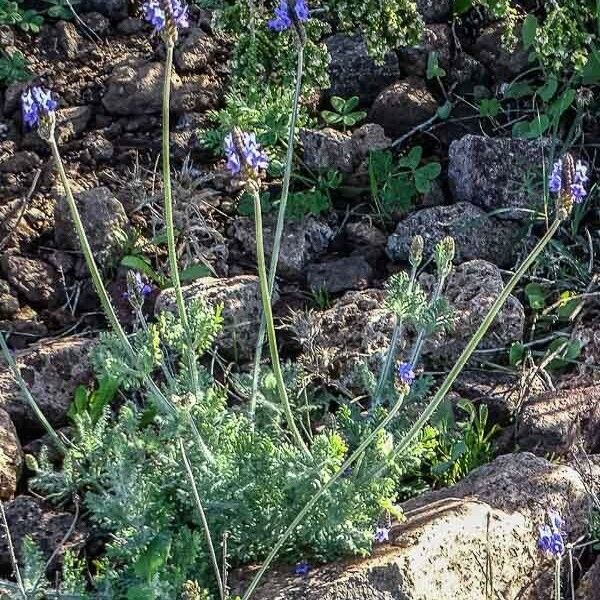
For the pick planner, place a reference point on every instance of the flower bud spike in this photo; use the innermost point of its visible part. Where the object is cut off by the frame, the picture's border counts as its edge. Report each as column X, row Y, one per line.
column 416, row 251
column 445, row 251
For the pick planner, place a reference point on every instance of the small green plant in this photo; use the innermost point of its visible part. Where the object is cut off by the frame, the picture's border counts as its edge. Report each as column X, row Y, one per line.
column 343, row 112
column 11, row 13
column 61, row 9
column 394, row 186
column 13, row 67
column 94, row 402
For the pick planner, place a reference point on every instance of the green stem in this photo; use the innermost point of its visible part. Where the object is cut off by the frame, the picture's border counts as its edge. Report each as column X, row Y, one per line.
column 472, row 345
column 268, row 312
column 391, row 353
column 285, row 189
column 557, row 590
column 168, row 211
column 105, row 300
column 311, row 503
column 107, row 306
column 30, row 399
column 211, row 548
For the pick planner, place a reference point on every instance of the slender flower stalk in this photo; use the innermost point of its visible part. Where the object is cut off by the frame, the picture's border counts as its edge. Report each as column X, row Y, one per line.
column 285, row 189
column 246, row 159
column 12, row 364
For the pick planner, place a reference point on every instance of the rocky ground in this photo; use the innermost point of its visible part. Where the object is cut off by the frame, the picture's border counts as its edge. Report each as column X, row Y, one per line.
column 107, row 72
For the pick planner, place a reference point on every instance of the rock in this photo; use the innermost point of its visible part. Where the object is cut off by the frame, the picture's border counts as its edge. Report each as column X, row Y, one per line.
column 493, row 514
column 333, row 349
column 242, row 308
column 589, row 586
column 52, row 371
column 20, row 162
column 9, row 304
column 340, row 275
column 588, row 334
column 35, row 279
column 7, row 36
column 47, row 527
column 104, row 220
column 11, row 458
column 72, row 122
column 302, row 242
column 24, row 328
column 435, row 38
column 136, row 89
column 99, row 147
column 195, row 51
column 130, row 26
column 12, row 96
column 491, row 50
column 402, row 105
column 327, row 149
column 476, row 234
column 68, row 38
column 559, row 421
column 364, row 233
column 366, row 139
column 353, row 72
column 434, row 11
column 331, row 149
column 472, row 289
column 114, row 9
column 97, row 22
column 490, row 173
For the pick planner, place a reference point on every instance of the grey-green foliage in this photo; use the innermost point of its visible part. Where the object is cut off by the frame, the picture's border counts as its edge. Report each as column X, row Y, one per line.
column 129, row 472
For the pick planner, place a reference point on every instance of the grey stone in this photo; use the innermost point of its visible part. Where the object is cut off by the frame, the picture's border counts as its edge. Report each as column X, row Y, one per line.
column 242, row 309
column 11, row 458
column 476, row 234
column 434, row 11
column 20, row 162
column 136, row 89
column 353, row 72
column 340, row 275
column 104, row 220
column 365, row 233
column 99, row 147
column 47, row 527
column 24, row 328
column 435, row 38
column 68, row 38
column 491, row 173
column 303, row 241
column 35, row 279
column 130, row 26
column 97, row 22
column 327, row 149
column 114, row 9
column 491, row 50
column 72, row 122
column 402, row 105
column 196, row 49
column 52, row 371
column 559, row 421
column 9, row 303
column 589, row 586
column 493, row 514
column 366, row 139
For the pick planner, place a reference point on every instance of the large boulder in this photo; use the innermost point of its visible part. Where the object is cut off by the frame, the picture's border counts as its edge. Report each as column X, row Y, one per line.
column 242, row 308
column 303, row 241
column 455, row 541
column 340, row 274
column 36, row 280
column 353, row 72
column 434, row 11
column 333, row 349
column 403, row 105
column 560, row 421
column 115, row 9
column 492, row 172
column 52, row 372
column 103, row 218
column 476, row 234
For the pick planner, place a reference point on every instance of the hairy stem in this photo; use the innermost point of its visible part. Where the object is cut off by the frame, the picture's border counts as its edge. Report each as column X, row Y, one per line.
column 472, row 345
column 211, row 548
column 285, row 189
column 311, row 503
column 29, row 398
column 168, row 214
column 268, row 312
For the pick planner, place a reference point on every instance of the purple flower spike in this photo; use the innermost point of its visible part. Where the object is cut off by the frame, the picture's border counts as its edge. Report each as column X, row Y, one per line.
column 154, row 13
column 551, row 538
column 36, row 103
column 143, row 287
column 382, row 534
column 302, row 569
column 283, row 19
column 580, row 178
column 555, row 179
column 252, row 156
column 406, row 373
